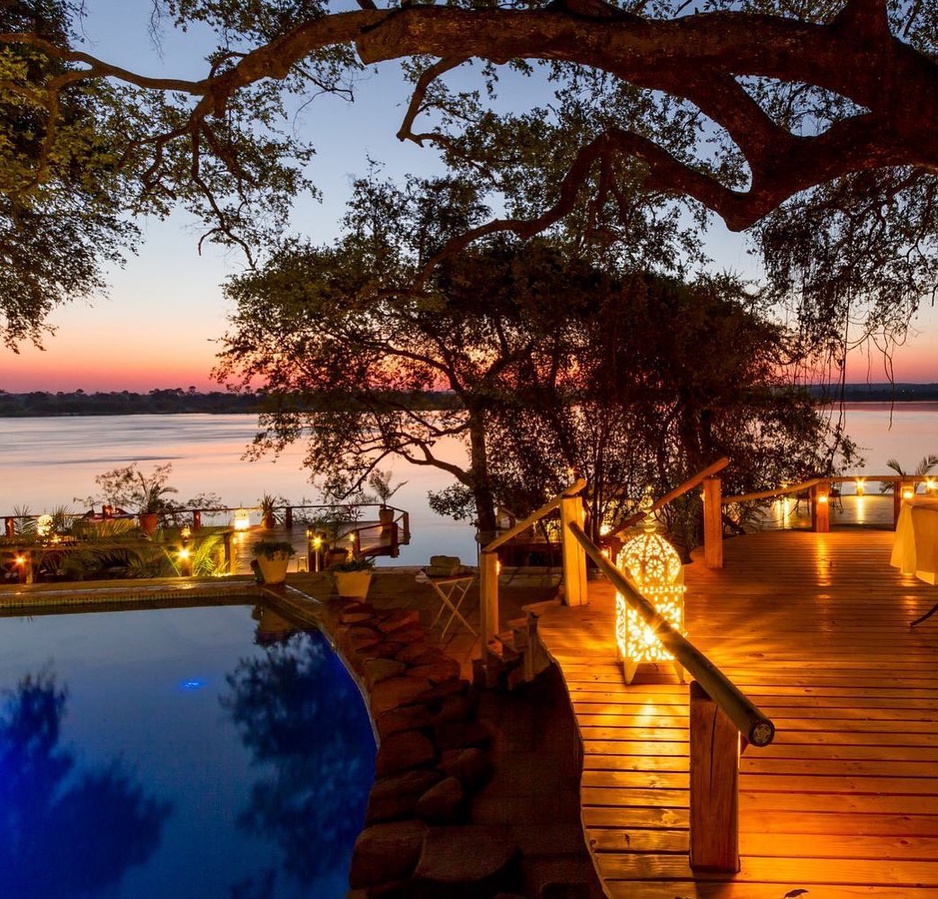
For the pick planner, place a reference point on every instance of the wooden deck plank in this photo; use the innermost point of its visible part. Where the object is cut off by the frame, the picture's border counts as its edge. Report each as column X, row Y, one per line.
column 815, row 629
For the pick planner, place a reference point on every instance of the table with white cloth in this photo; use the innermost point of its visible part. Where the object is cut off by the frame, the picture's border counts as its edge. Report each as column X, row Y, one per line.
column 915, row 547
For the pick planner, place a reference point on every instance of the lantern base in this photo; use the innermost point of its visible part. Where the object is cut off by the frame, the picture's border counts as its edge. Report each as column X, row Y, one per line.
column 629, row 669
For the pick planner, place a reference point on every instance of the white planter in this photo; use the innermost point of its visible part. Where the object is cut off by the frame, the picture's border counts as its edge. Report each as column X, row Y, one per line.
column 274, row 569
column 352, row 584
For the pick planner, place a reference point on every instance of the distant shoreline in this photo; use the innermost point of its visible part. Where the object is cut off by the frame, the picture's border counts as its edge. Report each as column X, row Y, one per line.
column 44, row 404
column 173, row 401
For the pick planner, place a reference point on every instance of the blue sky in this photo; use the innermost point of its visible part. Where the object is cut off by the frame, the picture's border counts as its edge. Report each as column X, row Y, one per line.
column 165, row 309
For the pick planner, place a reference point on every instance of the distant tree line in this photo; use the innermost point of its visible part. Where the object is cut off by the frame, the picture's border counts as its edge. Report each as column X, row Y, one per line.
column 171, row 401
column 876, row 393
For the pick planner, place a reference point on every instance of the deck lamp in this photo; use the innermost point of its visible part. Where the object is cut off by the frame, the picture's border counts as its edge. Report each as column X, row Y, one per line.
column 44, row 525
column 908, row 491
column 656, row 568
column 241, row 519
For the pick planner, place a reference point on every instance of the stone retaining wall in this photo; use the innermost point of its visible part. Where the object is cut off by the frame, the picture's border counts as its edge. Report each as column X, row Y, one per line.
column 433, row 756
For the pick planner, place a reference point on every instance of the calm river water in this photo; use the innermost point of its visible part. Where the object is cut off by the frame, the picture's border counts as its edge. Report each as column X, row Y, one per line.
column 47, row 462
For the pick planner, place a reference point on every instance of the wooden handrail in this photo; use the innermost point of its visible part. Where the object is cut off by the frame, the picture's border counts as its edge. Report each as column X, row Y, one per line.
column 756, row 727
column 549, row 506
column 767, row 494
column 672, row 495
column 831, row 479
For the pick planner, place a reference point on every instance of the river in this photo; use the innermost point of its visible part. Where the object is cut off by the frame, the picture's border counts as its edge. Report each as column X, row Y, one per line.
column 48, row 462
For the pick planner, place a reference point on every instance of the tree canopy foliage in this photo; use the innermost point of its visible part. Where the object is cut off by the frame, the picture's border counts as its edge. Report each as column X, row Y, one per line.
column 632, row 379
column 811, row 123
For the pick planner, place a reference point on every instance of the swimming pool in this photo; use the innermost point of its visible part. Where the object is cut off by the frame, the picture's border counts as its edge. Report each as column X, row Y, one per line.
column 177, row 752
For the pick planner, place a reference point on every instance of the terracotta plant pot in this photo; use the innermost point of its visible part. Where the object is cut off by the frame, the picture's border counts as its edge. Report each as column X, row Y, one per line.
column 352, row 584
column 386, row 515
column 149, row 522
column 274, row 568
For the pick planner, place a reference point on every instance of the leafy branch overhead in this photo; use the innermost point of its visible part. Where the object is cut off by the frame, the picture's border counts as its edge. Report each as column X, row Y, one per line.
column 740, row 107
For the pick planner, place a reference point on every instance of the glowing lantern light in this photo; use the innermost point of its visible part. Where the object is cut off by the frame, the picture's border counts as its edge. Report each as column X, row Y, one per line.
column 908, row 491
column 241, row 520
column 44, row 525
column 656, row 568
column 860, row 487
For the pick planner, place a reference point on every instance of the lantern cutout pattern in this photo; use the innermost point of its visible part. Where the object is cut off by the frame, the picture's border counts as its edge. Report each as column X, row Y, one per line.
column 656, row 568
column 241, row 519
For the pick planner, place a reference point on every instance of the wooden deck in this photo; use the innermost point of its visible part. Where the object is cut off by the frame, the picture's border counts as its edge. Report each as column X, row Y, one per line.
column 814, row 628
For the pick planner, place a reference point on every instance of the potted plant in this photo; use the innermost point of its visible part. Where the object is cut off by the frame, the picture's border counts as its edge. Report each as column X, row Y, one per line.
column 153, row 504
column 268, row 507
column 132, row 488
column 353, row 578
column 273, row 557
column 380, row 483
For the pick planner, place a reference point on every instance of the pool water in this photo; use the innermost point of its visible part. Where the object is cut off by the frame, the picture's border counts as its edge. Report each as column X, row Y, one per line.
column 194, row 752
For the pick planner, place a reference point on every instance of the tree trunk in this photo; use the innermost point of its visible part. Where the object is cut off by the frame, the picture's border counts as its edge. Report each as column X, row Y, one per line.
column 486, row 519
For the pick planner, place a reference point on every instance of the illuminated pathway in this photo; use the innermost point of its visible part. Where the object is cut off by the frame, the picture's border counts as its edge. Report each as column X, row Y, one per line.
column 814, row 628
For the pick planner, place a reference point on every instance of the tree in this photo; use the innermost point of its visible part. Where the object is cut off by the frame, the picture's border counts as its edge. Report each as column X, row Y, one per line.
column 664, row 378
column 62, row 202
column 345, row 350
column 925, row 465
column 760, row 112
column 551, row 363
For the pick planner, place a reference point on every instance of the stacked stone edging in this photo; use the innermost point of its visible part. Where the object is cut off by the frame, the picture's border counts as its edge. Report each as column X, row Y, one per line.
column 433, row 755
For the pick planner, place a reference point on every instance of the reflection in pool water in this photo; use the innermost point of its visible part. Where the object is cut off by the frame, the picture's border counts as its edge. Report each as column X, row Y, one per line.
column 159, row 753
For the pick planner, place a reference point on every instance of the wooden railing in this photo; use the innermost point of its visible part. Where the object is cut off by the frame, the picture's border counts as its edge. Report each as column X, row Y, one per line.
column 723, row 721
column 574, row 563
column 194, row 517
column 819, row 491
column 720, row 715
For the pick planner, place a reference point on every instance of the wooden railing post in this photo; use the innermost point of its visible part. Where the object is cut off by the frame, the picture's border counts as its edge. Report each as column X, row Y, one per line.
column 288, row 518
column 27, row 573
column 574, row 558
column 488, row 595
column 714, row 786
column 713, row 522
column 821, row 508
column 903, row 490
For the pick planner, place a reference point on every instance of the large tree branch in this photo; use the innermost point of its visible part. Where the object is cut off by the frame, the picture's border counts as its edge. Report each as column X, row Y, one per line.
column 696, row 57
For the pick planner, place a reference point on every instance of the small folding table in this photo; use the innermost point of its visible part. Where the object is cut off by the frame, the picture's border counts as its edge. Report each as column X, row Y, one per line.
column 452, row 591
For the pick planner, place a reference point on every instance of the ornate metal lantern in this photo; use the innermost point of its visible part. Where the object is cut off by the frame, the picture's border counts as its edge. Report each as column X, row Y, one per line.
column 656, row 568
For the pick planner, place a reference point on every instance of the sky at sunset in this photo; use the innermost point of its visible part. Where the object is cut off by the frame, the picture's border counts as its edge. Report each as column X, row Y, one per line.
column 158, row 326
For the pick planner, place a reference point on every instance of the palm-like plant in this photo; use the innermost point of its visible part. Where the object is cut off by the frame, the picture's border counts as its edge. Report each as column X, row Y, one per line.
column 925, row 465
